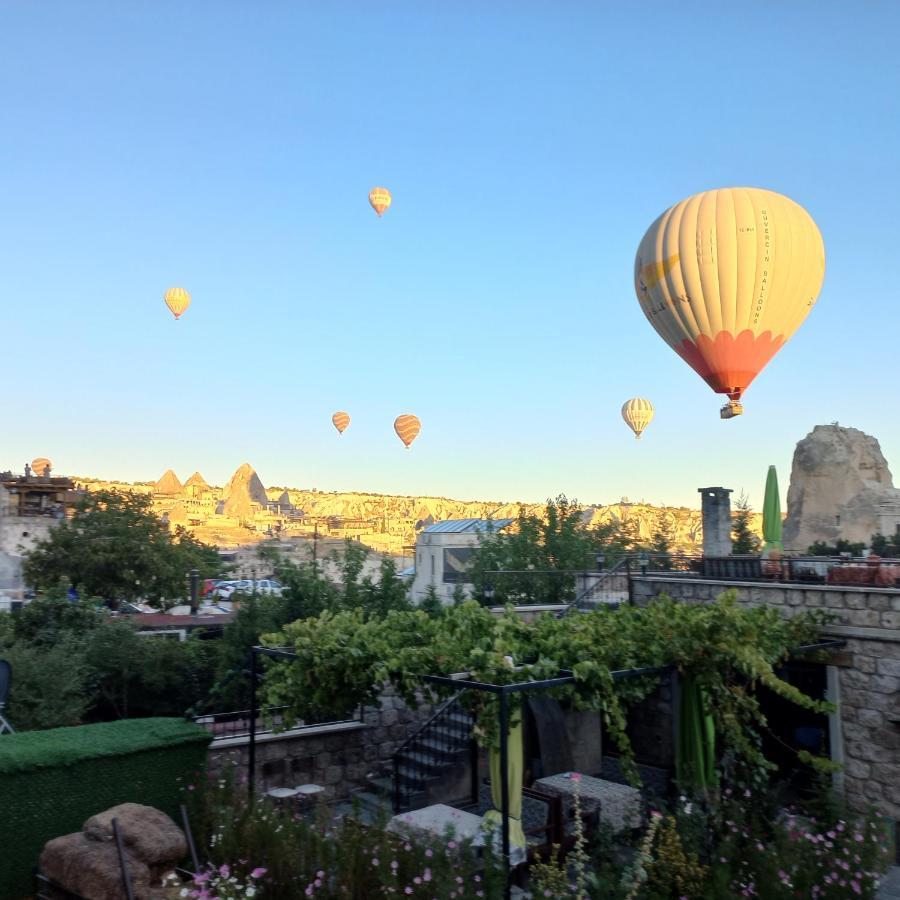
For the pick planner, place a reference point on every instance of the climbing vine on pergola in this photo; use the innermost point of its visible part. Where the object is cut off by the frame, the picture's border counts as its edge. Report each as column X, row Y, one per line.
column 347, row 659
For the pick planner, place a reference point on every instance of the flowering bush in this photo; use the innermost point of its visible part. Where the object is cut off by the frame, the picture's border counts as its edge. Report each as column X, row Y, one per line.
column 802, row 858
column 733, row 849
column 223, row 882
column 326, row 858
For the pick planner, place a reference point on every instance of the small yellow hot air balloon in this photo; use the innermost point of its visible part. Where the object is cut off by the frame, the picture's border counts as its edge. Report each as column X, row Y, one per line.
column 178, row 300
column 41, row 465
column 407, row 427
column 638, row 414
column 340, row 420
column 726, row 277
column 380, row 198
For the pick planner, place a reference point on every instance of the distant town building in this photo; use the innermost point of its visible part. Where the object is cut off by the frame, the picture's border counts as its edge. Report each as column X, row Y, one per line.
column 443, row 552
column 30, row 506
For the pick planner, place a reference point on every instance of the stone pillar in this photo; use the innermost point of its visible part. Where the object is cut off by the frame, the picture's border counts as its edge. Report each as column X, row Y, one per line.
column 716, row 511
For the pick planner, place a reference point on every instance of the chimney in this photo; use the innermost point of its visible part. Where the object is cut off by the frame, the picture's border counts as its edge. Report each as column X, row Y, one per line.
column 716, row 511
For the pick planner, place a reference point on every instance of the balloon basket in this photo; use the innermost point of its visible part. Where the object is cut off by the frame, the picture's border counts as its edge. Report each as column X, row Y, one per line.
column 731, row 409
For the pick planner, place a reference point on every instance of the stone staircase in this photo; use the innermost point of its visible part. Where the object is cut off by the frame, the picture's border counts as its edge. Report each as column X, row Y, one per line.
column 433, row 765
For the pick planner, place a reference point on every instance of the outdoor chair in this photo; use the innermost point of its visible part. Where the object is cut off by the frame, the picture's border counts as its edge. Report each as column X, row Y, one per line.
column 542, row 822
column 5, row 681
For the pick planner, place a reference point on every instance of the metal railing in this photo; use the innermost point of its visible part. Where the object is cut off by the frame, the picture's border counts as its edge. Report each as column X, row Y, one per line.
column 849, row 571
column 606, row 588
column 443, row 741
column 237, row 723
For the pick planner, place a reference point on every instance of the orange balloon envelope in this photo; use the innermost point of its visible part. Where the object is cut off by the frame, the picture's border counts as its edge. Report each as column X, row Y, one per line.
column 178, row 300
column 380, row 198
column 40, row 465
column 407, row 427
column 340, row 420
column 726, row 277
column 638, row 414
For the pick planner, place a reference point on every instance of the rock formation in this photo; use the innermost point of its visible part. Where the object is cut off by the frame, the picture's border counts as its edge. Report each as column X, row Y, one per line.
column 168, row 484
column 841, row 487
column 242, row 492
column 196, row 485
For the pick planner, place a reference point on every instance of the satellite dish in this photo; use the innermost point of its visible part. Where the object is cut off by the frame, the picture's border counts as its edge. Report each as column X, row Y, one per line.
column 40, row 465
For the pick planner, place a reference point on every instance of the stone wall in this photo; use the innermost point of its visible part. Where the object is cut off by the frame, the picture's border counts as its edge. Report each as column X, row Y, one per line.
column 864, row 681
column 338, row 757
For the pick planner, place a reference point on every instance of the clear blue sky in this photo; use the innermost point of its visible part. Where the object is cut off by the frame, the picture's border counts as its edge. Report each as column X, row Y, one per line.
column 228, row 147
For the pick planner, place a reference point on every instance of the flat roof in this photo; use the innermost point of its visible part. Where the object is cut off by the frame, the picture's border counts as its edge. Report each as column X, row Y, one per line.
column 459, row 526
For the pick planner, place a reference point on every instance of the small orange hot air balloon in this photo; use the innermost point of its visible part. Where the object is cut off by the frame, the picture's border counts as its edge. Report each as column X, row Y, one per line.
column 380, row 199
column 340, row 420
column 41, row 465
column 178, row 300
column 407, row 427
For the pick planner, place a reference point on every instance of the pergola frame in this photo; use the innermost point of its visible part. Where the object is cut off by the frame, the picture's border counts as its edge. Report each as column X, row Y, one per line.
column 503, row 691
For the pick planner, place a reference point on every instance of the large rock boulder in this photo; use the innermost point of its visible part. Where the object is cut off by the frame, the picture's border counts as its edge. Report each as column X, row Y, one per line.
column 91, row 868
column 841, row 487
column 87, row 862
column 148, row 833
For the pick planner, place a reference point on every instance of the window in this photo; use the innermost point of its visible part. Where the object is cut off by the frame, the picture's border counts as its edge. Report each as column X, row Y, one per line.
column 456, row 565
column 432, row 567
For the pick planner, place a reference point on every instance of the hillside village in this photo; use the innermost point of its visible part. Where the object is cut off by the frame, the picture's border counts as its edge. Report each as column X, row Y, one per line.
column 244, row 512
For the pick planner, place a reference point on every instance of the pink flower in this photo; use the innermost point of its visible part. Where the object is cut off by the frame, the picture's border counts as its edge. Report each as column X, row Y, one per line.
column 407, row 890
column 259, row 872
column 576, row 776
column 225, row 870
column 429, row 853
column 374, row 860
column 451, row 845
column 856, row 888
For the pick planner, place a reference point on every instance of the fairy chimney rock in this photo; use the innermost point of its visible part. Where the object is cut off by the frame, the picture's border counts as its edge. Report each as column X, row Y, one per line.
column 244, row 490
column 168, row 484
column 196, row 485
column 841, row 487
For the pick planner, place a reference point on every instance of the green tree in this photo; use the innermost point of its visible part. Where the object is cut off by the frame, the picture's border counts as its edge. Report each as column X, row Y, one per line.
column 885, row 546
column 536, row 560
column 743, row 540
column 116, row 548
column 820, row 548
column 49, row 689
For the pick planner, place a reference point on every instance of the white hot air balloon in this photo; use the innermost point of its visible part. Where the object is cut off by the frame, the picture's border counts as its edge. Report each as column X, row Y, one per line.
column 638, row 414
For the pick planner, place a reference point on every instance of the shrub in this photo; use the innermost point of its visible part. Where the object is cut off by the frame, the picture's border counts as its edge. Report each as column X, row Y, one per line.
column 328, row 858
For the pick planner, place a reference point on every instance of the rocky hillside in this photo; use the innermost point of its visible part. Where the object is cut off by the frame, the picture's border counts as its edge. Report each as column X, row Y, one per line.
column 227, row 510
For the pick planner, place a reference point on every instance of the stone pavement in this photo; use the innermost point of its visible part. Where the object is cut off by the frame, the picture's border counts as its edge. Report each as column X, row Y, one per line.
column 890, row 887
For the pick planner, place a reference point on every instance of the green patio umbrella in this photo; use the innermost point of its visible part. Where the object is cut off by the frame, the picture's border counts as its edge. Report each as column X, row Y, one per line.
column 695, row 749
column 772, row 513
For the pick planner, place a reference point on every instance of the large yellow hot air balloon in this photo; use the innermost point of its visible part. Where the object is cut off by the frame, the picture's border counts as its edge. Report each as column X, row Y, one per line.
column 407, row 427
column 340, row 420
column 638, row 414
column 380, row 198
column 178, row 300
column 726, row 277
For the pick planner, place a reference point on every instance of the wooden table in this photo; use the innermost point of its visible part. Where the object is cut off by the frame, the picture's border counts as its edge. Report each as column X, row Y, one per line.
column 618, row 805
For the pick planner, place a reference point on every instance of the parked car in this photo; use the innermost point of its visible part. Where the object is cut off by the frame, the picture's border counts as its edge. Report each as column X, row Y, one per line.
column 225, row 590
